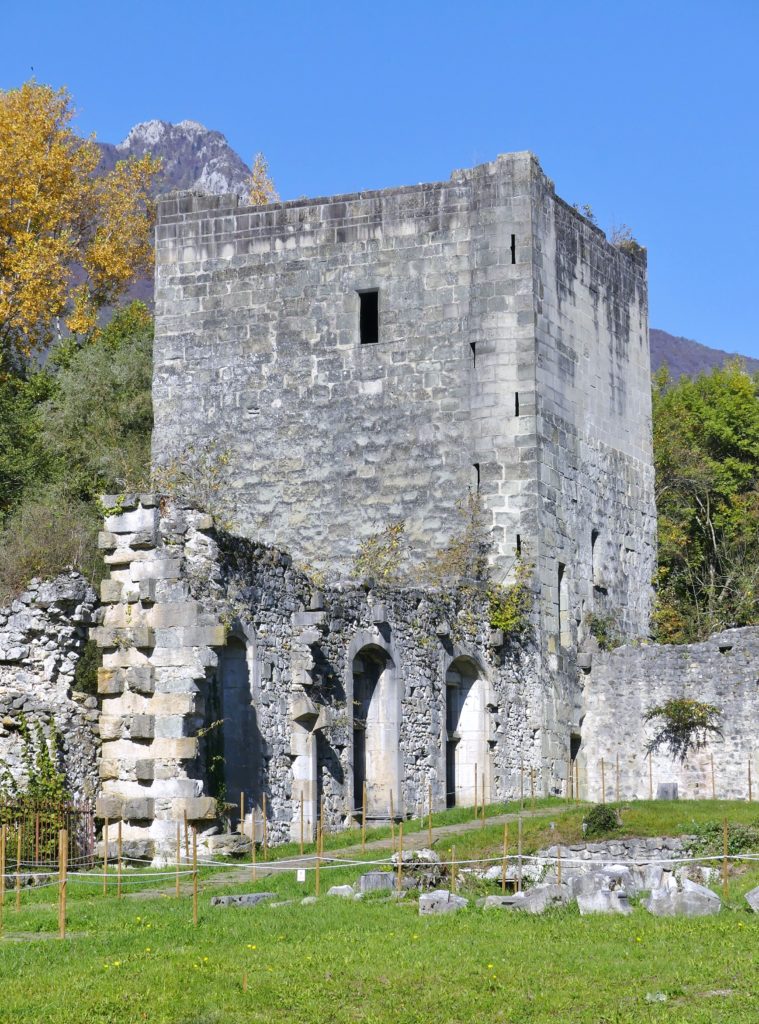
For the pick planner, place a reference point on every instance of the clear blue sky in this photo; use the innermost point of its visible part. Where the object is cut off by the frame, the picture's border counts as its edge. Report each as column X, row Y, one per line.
column 649, row 112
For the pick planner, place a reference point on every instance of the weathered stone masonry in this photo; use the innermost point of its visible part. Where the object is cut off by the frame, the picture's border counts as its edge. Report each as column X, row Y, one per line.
column 181, row 599
column 511, row 356
column 42, row 637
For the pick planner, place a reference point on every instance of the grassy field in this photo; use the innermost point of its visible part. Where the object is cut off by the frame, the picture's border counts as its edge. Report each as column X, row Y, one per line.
column 139, row 958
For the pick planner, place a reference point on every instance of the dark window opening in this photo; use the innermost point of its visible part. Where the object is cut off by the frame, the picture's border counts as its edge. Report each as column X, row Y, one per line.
column 565, row 636
column 477, row 475
column 473, row 347
column 369, row 317
column 519, row 546
column 513, row 248
column 516, row 403
column 575, row 741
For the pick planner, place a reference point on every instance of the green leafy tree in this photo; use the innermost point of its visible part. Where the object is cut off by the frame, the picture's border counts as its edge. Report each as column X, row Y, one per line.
column 706, row 453
column 682, row 725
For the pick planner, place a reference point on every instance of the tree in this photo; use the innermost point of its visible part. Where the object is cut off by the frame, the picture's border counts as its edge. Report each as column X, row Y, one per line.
column 70, row 241
column 262, row 190
column 685, row 725
column 706, row 455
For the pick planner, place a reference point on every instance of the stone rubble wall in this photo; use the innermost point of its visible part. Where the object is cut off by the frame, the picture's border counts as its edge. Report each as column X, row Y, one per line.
column 42, row 636
column 177, row 592
column 622, row 684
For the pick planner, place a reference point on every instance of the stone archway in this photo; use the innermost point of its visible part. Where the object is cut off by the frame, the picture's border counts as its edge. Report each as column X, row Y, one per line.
column 467, row 754
column 375, row 729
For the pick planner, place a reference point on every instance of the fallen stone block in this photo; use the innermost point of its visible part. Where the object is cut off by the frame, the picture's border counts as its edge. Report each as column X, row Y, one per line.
column 605, row 901
column 376, row 881
column 671, row 903
column 441, row 901
column 248, row 899
column 347, row 892
column 752, row 898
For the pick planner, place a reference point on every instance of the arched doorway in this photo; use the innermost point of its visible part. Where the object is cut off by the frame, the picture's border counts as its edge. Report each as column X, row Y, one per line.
column 376, row 724
column 240, row 746
column 467, row 760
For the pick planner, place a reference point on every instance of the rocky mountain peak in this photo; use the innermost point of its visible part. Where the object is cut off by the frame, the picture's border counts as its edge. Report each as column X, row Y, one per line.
column 193, row 157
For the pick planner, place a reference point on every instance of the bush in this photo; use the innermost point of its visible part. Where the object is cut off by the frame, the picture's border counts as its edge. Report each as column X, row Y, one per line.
column 509, row 606
column 601, row 820
column 740, row 838
column 685, row 725
column 604, row 629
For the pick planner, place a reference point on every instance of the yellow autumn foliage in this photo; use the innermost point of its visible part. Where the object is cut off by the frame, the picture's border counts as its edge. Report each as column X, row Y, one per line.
column 70, row 241
column 262, row 190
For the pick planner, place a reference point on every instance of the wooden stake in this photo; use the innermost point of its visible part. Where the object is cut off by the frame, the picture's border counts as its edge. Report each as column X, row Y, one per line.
column 253, row 844
column 363, row 817
column 301, row 824
column 521, row 783
column 617, row 777
column 179, row 856
column 429, row 816
column 195, row 877
column 725, row 864
column 242, row 813
column 318, row 853
column 569, row 779
column 519, row 853
column 603, row 783
column 714, row 788
column 63, row 846
column 577, row 781
column 36, row 839
column 650, row 778
column 476, row 809
column 399, row 876
column 105, row 857
column 18, row 867
column 505, row 861
column 750, row 797
column 558, row 865
column 532, row 788
column 453, row 869
column 186, row 837
column 482, row 802
column 392, row 823
column 265, row 826
column 118, row 866
column 245, row 981
column 3, row 840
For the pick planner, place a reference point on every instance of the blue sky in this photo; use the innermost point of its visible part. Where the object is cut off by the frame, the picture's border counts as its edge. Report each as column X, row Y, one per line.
column 646, row 111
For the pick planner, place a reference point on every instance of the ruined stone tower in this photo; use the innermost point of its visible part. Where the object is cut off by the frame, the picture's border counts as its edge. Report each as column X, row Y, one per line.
column 376, row 357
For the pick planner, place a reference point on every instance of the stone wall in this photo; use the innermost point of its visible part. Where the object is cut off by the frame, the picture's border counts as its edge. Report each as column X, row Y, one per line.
column 723, row 670
column 182, row 599
column 42, row 635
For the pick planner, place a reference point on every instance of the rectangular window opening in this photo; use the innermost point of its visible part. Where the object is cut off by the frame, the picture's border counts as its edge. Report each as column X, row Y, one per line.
column 473, row 347
column 476, row 467
column 516, row 403
column 513, row 248
column 565, row 636
column 519, row 546
column 369, row 317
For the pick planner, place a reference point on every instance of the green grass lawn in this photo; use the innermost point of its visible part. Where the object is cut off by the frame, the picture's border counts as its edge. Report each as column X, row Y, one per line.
column 139, row 958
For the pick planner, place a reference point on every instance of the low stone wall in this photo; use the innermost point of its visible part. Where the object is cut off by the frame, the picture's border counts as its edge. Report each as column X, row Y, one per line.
column 183, row 602
column 42, row 635
column 622, row 684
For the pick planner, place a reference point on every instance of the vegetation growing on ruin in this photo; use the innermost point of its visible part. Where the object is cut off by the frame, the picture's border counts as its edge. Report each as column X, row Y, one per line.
column 706, row 454
column 510, row 605
column 43, row 784
column 604, row 628
column 381, row 556
column 682, row 725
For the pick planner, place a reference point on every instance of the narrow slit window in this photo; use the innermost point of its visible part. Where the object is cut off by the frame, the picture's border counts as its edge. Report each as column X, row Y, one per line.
column 516, row 403
column 476, row 468
column 473, row 347
column 369, row 317
column 519, row 546
column 513, row 248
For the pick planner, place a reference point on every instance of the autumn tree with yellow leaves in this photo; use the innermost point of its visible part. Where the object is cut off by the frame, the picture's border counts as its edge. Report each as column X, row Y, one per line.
column 262, row 190
column 71, row 241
